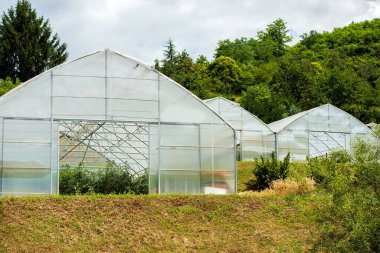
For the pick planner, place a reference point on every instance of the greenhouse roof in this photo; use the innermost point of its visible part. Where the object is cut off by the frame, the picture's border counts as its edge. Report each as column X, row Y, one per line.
column 279, row 125
column 225, row 99
column 82, row 79
column 237, row 105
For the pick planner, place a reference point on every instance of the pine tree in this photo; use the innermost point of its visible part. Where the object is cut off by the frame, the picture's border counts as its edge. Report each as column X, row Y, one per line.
column 170, row 61
column 27, row 44
column 170, row 53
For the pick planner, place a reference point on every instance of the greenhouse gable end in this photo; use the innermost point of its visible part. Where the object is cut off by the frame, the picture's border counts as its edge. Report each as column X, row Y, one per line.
column 106, row 108
column 317, row 132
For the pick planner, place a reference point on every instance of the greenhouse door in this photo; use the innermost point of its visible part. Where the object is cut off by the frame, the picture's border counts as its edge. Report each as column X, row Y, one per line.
column 175, row 165
column 98, row 144
column 322, row 143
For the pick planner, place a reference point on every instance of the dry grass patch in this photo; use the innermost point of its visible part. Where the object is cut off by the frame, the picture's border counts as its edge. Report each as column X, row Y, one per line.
column 193, row 223
column 286, row 187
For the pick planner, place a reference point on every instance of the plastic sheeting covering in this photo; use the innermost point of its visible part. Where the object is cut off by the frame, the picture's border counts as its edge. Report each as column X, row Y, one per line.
column 253, row 136
column 108, row 107
column 317, row 132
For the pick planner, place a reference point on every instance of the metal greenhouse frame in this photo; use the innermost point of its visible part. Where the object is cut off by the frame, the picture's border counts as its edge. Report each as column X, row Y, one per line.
column 317, row 132
column 108, row 108
column 253, row 136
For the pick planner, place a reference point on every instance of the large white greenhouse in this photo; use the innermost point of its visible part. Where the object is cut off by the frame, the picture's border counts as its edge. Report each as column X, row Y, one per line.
column 317, row 132
column 254, row 137
column 106, row 107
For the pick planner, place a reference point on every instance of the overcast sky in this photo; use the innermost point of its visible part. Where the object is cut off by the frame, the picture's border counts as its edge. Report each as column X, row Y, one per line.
column 140, row 28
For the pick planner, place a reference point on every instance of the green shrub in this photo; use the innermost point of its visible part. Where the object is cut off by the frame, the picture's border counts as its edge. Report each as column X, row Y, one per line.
column 368, row 151
column 350, row 222
column 324, row 169
column 75, row 181
column 141, row 184
column 112, row 179
column 340, row 156
column 268, row 170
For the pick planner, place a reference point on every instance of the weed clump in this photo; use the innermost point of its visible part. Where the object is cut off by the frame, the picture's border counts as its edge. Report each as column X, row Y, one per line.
column 268, row 170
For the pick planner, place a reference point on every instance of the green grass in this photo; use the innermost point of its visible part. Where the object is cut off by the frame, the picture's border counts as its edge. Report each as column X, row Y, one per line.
column 172, row 223
column 244, row 174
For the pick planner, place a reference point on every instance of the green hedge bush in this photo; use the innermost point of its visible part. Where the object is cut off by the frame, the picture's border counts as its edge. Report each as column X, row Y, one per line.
column 110, row 180
column 350, row 222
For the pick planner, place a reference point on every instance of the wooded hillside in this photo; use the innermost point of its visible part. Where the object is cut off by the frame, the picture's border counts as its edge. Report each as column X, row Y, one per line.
column 274, row 80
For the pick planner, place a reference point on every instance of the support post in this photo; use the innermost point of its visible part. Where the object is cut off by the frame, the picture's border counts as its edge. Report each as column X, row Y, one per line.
column 212, row 156
column 2, row 157
column 199, row 157
column 159, row 137
column 58, row 148
column 149, row 158
column 241, row 135
column 51, row 132
column 241, row 145
column 235, row 167
column 308, row 136
column 276, row 145
column 106, row 83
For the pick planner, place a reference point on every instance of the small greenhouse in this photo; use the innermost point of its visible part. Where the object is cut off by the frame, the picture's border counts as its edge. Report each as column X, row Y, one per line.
column 317, row 132
column 108, row 109
column 254, row 137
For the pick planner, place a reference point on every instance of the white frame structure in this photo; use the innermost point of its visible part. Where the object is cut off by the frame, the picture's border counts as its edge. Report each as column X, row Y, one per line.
column 109, row 108
column 317, row 132
column 255, row 138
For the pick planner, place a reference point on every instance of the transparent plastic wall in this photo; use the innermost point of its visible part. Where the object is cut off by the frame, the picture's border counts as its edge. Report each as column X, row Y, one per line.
column 317, row 132
column 192, row 159
column 254, row 138
column 196, row 151
column 29, row 157
column 188, row 147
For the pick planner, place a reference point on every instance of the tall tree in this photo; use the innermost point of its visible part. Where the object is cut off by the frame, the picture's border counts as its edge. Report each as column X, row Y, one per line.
column 170, row 61
column 27, row 43
column 242, row 50
column 169, row 53
column 275, row 35
column 264, row 103
column 226, row 75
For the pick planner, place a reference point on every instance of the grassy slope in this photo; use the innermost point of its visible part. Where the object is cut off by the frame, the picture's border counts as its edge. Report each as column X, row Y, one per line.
column 158, row 223
column 155, row 223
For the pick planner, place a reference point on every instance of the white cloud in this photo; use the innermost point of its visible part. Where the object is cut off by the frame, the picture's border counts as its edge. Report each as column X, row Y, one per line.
column 140, row 28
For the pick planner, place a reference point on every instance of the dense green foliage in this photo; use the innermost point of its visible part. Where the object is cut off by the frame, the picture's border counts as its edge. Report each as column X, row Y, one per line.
column 7, row 85
column 115, row 180
column 268, row 170
column 324, row 169
column 274, row 80
column 349, row 217
column 351, row 221
column 27, row 43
